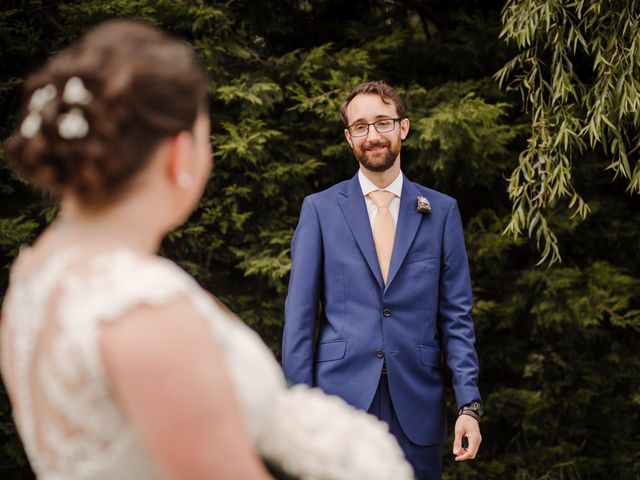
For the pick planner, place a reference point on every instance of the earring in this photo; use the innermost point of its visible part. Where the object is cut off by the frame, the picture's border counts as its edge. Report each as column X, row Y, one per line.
column 184, row 180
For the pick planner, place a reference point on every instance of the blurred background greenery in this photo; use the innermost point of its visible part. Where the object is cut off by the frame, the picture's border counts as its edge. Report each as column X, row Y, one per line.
column 534, row 130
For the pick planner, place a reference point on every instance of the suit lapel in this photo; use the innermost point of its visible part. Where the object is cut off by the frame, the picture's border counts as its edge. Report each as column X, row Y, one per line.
column 408, row 223
column 355, row 212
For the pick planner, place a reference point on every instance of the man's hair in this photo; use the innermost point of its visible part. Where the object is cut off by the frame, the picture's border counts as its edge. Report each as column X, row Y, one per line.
column 384, row 90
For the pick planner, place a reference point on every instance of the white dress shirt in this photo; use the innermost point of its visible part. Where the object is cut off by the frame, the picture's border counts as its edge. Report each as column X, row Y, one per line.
column 394, row 187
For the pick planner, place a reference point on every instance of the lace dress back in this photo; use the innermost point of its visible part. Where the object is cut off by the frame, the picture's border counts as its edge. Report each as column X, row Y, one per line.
column 71, row 425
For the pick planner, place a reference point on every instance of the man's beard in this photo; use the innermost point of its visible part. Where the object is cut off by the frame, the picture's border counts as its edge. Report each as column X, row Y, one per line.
column 388, row 160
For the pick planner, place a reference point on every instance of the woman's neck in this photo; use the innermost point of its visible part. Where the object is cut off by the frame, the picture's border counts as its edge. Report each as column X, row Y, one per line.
column 131, row 224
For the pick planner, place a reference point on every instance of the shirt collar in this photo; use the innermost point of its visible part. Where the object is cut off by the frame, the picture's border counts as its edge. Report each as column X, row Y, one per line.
column 368, row 186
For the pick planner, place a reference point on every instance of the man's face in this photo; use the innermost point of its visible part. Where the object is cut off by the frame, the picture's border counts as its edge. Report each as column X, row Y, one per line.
column 377, row 152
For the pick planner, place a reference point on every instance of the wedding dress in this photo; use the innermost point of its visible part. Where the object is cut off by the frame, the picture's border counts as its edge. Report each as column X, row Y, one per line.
column 65, row 412
column 72, row 426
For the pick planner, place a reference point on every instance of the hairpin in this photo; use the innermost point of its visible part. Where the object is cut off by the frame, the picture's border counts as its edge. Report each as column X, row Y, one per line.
column 72, row 125
column 76, row 92
column 30, row 126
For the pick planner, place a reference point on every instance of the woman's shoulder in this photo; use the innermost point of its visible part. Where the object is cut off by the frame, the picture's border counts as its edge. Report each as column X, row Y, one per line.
column 111, row 283
column 132, row 271
column 97, row 285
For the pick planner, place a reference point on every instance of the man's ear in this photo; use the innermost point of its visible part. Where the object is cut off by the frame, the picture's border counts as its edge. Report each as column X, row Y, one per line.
column 347, row 135
column 405, row 124
column 180, row 148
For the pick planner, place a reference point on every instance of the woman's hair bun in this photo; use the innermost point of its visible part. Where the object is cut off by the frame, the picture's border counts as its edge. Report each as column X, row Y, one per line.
column 95, row 112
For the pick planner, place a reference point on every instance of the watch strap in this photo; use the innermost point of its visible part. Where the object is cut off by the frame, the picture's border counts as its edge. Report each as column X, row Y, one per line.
column 471, row 413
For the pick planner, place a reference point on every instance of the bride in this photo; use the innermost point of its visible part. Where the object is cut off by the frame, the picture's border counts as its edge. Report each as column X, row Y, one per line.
column 118, row 365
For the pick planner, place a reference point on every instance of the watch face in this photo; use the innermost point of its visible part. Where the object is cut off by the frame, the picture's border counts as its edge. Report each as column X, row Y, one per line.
column 477, row 407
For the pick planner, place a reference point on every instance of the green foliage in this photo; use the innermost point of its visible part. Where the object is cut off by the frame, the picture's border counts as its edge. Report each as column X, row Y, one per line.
column 571, row 397
column 464, row 129
column 577, row 71
column 559, row 368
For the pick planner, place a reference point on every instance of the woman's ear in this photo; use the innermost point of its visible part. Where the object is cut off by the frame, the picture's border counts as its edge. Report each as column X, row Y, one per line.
column 180, row 150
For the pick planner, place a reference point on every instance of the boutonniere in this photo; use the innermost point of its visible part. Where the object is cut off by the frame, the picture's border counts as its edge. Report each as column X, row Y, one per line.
column 423, row 206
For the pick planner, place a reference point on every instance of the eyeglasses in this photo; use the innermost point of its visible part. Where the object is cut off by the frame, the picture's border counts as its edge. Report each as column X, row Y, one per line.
column 385, row 125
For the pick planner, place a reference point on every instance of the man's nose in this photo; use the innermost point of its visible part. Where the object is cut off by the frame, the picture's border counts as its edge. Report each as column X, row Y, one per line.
column 372, row 134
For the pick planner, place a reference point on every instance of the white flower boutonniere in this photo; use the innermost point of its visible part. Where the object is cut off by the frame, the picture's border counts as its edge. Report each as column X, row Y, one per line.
column 423, row 206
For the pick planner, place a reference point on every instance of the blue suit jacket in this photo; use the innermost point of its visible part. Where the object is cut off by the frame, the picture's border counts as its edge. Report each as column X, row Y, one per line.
column 420, row 319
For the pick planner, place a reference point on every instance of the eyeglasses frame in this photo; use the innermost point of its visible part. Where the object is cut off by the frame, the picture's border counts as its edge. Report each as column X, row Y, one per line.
column 397, row 119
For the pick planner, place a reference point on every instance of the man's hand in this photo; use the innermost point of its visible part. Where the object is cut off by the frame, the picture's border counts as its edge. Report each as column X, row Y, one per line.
column 466, row 426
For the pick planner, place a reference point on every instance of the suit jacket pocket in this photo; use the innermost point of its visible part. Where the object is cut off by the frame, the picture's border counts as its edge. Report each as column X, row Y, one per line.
column 415, row 257
column 430, row 356
column 328, row 351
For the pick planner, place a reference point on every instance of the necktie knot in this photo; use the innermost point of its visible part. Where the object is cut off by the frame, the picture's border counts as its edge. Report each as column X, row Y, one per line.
column 381, row 198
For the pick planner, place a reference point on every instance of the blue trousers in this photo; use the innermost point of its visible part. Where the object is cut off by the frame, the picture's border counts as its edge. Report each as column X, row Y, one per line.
column 426, row 461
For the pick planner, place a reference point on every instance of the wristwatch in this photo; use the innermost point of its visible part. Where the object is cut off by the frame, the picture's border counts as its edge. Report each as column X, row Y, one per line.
column 473, row 409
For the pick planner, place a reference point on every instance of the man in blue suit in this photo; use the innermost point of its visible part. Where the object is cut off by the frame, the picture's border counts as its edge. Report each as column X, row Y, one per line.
column 385, row 260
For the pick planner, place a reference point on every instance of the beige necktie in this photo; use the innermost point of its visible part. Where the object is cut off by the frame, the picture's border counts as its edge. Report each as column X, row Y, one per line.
column 383, row 231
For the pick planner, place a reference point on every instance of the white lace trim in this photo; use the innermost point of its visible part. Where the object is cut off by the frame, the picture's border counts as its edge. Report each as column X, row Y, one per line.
column 26, row 326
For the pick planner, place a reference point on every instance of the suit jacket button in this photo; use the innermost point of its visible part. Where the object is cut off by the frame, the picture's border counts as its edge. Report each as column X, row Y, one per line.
column 380, row 353
column 386, row 312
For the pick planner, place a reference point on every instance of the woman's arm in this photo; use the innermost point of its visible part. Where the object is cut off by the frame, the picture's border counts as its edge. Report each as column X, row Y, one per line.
column 168, row 374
